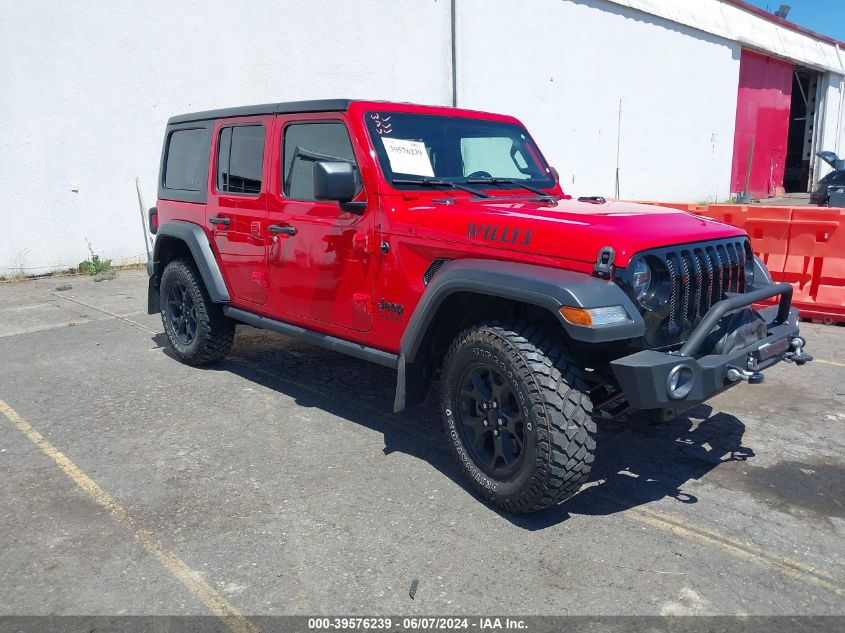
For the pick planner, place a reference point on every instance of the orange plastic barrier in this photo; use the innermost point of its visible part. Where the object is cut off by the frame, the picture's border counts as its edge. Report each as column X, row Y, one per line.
column 804, row 246
column 768, row 228
column 815, row 264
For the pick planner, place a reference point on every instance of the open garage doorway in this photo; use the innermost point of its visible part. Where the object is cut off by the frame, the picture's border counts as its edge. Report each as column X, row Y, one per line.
column 798, row 176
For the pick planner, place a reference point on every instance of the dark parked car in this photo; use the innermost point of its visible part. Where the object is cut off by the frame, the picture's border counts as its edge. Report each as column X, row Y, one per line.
column 836, row 178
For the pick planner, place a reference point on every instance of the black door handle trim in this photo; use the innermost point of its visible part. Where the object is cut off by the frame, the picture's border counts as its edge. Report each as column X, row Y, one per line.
column 284, row 229
column 223, row 221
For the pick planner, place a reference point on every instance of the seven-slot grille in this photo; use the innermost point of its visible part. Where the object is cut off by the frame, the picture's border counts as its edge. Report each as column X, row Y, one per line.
column 699, row 276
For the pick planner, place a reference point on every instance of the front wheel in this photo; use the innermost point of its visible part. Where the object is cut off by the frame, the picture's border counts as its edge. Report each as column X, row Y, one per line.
column 518, row 416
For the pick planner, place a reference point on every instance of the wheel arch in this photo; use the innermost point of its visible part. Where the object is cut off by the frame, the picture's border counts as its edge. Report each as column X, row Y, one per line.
column 468, row 291
column 177, row 239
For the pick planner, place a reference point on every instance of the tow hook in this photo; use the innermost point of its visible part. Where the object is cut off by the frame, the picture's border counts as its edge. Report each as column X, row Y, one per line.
column 752, row 377
column 796, row 352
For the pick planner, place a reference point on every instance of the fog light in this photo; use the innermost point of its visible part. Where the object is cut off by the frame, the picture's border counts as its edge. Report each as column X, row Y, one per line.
column 679, row 382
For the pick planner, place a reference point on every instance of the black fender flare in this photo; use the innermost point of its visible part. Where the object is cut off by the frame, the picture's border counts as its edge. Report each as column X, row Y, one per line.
column 196, row 239
column 545, row 287
column 549, row 288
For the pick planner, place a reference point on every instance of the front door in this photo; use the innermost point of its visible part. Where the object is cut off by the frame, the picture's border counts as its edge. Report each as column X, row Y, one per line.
column 320, row 255
column 237, row 206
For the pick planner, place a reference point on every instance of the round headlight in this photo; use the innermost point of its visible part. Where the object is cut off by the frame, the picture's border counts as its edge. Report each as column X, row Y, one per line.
column 749, row 272
column 641, row 279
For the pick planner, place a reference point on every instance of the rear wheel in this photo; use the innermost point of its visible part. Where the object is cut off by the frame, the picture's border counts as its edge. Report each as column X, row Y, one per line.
column 196, row 328
column 518, row 416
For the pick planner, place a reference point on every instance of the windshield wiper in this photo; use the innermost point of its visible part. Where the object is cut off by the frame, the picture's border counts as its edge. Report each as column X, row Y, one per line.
column 435, row 182
column 510, row 181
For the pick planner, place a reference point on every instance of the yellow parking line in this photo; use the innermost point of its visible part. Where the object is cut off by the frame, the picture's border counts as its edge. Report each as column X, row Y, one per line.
column 216, row 603
column 830, row 362
column 782, row 564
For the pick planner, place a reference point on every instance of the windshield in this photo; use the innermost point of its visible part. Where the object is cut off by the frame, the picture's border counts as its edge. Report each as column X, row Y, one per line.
column 413, row 147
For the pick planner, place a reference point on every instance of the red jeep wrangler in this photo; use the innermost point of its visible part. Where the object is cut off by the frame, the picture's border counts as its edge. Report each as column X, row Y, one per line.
column 438, row 242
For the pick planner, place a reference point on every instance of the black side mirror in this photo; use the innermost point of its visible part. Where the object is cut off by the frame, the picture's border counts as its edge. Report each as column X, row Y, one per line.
column 333, row 181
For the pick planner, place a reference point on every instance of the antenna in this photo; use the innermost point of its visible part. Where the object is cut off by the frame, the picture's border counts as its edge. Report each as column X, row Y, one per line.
column 148, row 240
column 783, row 11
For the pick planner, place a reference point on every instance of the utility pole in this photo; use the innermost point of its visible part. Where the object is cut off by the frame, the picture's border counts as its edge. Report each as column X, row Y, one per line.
column 618, row 147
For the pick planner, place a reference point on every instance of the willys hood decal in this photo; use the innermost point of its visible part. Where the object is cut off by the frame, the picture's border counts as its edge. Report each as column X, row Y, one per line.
column 567, row 229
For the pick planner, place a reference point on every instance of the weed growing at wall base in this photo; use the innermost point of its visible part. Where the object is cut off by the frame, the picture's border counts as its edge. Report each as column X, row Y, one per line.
column 96, row 264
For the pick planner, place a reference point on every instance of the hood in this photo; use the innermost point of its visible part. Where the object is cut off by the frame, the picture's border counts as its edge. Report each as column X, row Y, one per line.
column 568, row 229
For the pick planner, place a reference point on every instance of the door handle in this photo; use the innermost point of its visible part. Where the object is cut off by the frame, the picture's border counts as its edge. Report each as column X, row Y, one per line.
column 282, row 228
column 220, row 220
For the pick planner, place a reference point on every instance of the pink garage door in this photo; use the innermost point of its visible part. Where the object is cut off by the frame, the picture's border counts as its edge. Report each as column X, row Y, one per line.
column 762, row 114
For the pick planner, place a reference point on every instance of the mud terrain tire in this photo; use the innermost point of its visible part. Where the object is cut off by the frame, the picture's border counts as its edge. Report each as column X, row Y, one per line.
column 517, row 414
column 198, row 331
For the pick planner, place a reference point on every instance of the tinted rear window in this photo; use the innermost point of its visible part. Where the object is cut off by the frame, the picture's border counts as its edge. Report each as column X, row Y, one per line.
column 186, row 160
column 240, row 158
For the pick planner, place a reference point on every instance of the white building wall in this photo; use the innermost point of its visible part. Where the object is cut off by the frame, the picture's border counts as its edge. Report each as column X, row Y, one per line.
column 87, row 89
column 563, row 67
column 722, row 19
column 831, row 124
column 88, row 86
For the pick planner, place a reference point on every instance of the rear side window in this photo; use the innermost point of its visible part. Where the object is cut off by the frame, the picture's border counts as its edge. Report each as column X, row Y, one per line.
column 307, row 143
column 186, row 160
column 240, row 159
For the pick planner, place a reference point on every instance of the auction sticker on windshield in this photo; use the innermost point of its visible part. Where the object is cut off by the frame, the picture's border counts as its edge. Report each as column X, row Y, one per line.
column 407, row 157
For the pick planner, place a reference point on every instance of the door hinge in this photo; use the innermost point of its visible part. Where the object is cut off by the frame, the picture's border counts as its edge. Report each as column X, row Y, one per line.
column 362, row 243
column 363, row 302
column 260, row 279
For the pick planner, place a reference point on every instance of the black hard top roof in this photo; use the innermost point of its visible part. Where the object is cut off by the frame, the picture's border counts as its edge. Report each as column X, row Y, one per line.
column 287, row 107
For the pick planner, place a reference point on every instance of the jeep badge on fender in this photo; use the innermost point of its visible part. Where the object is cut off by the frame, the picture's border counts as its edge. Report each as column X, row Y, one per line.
column 537, row 315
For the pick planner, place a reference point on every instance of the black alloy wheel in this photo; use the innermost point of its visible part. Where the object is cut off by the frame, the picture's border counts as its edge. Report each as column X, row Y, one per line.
column 517, row 414
column 182, row 312
column 490, row 422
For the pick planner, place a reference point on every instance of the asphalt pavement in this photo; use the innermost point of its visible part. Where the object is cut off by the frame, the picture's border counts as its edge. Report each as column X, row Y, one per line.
column 279, row 482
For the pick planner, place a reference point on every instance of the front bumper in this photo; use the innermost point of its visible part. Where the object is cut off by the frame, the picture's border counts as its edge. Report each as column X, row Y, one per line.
column 644, row 377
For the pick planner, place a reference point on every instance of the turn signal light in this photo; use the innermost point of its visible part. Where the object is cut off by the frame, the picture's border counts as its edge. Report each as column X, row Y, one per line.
column 577, row 316
column 591, row 317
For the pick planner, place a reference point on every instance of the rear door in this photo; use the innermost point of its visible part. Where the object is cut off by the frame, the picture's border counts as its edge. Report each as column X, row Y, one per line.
column 321, row 266
column 237, row 206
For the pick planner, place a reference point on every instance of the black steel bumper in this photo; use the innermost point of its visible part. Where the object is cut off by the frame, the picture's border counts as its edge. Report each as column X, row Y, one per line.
column 644, row 377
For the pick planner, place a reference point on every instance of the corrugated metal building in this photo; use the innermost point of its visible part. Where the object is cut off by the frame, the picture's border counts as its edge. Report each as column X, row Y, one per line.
column 653, row 99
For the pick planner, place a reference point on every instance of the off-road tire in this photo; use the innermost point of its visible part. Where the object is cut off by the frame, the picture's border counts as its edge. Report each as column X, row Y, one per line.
column 551, row 390
column 214, row 332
